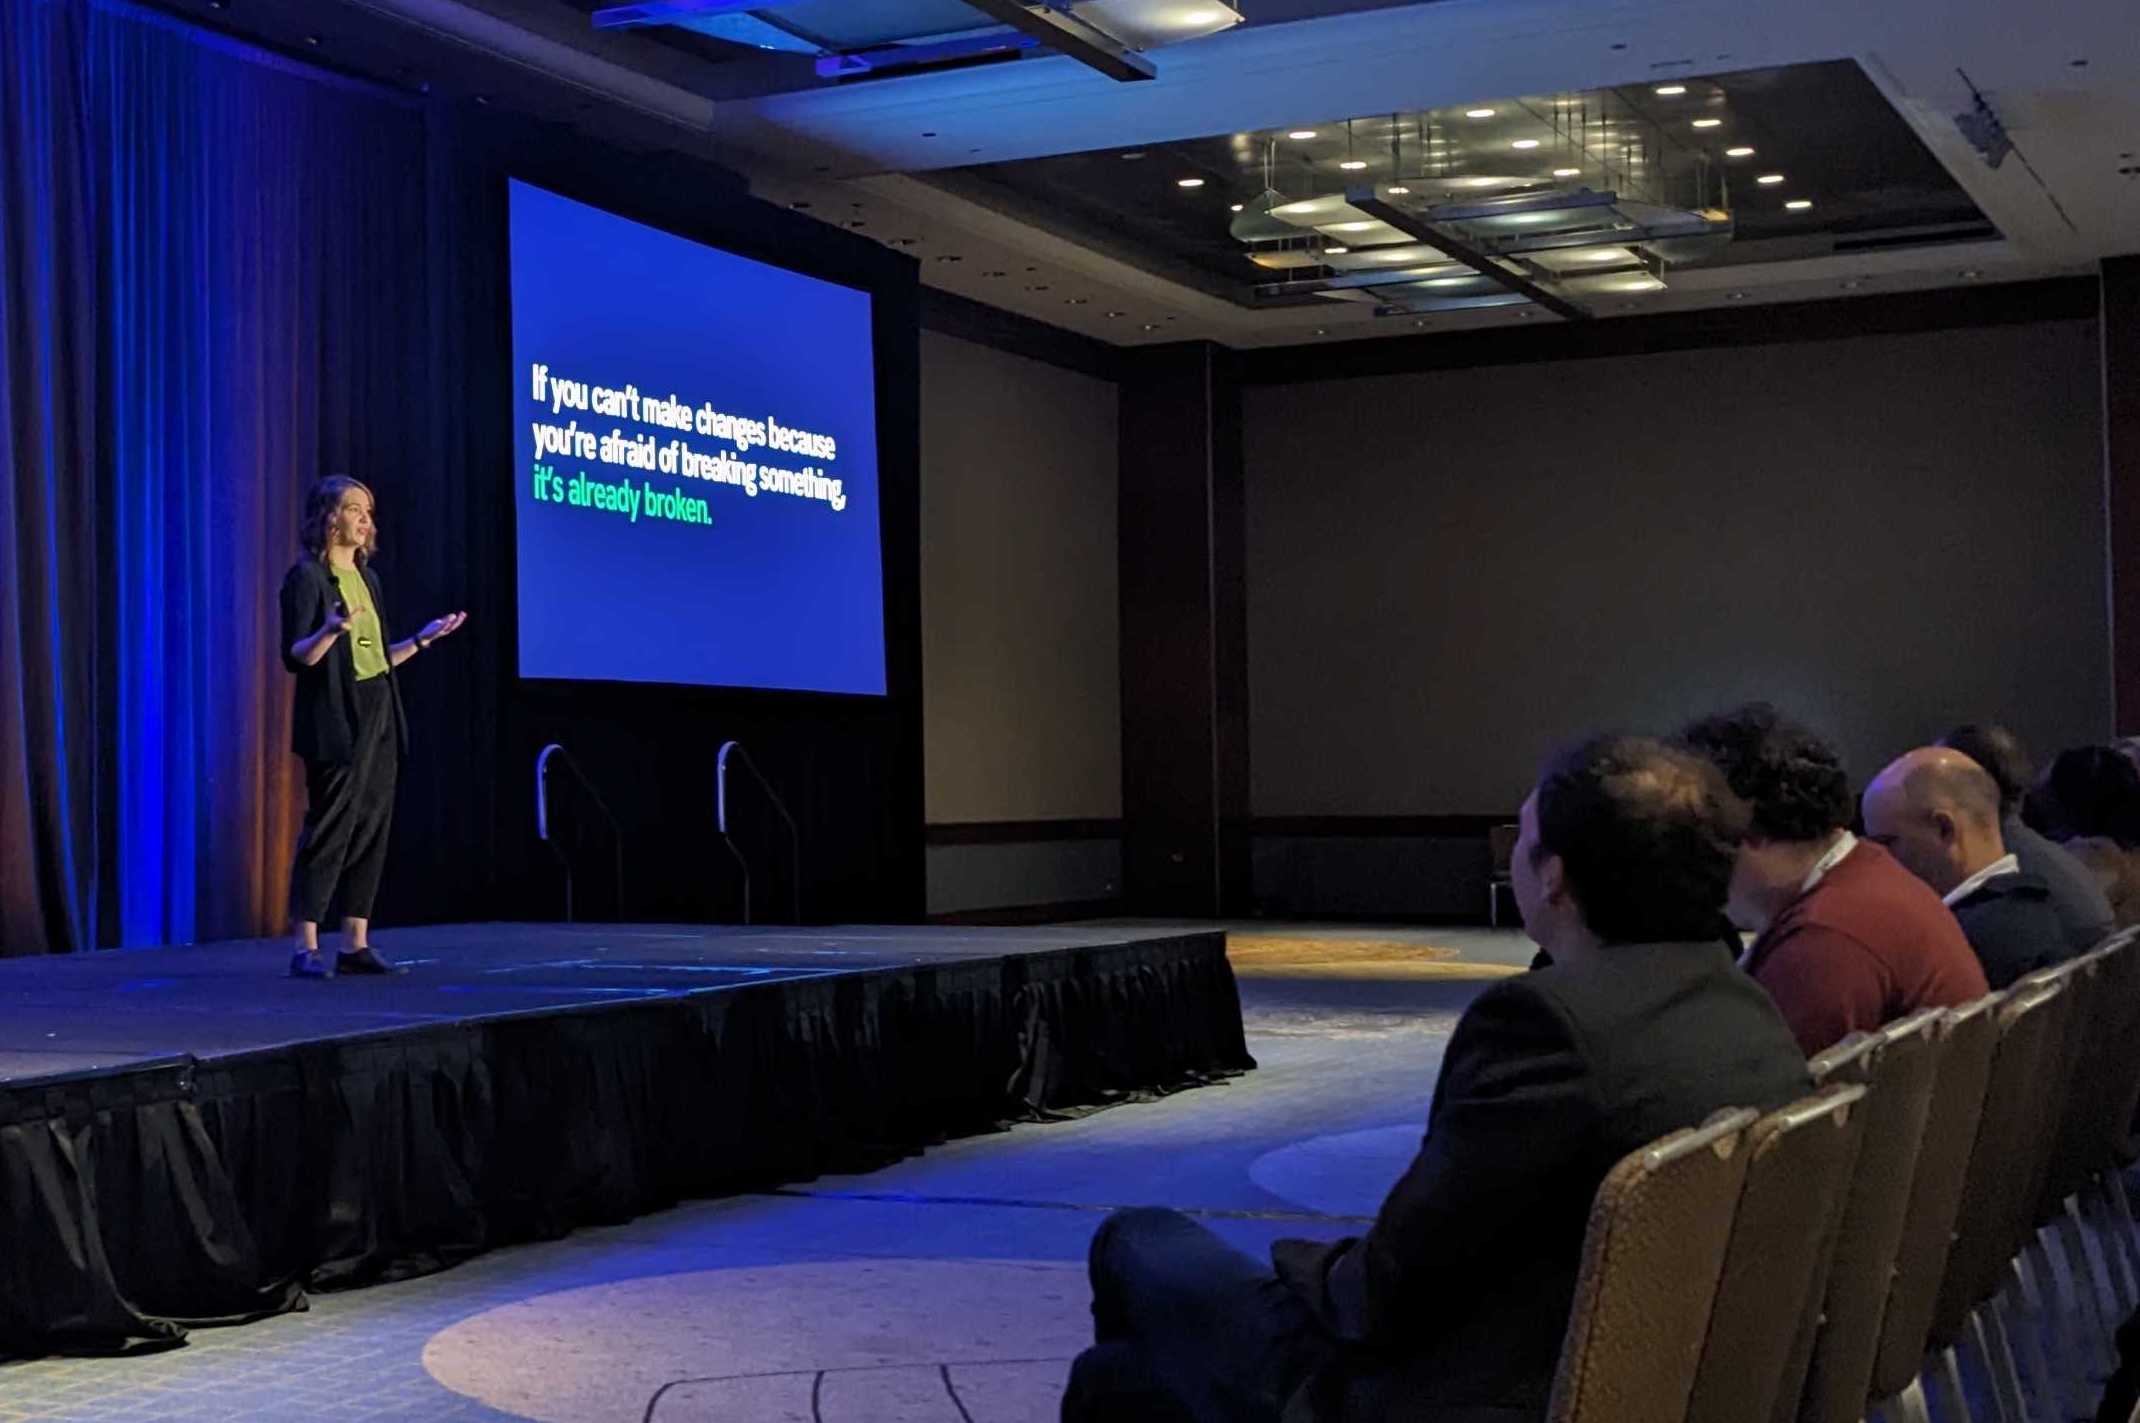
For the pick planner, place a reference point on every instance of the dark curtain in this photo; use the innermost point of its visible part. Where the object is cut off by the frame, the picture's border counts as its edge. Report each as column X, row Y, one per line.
column 208, row 299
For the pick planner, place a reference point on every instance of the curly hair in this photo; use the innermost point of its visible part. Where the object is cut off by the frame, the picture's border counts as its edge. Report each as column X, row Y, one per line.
column 1646, row 835
column 1791, row 779
column 2090, row 791
column 322, row 502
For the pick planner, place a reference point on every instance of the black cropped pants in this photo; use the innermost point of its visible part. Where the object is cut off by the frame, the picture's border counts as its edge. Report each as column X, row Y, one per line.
column 349, row 807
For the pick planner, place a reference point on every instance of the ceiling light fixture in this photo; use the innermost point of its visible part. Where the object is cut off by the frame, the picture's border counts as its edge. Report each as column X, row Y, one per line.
column 1524, row 143
column 1769, row 179
column 1335, row 251
column 1188, row 182
column 1478, row 113
column 1740, row 152
column 1301, row 135
column 1149, row 24
column 1353, row 165
column 1398, row 189
column 1708, row 123
column 1670, row 91
column 1236, row 207
column 1799, row 204
column 1567, row 172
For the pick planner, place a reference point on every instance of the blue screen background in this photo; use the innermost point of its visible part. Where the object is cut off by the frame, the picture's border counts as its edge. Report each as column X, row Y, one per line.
column 780, row 591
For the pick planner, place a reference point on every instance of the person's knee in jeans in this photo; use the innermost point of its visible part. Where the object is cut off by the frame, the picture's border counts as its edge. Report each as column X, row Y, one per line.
column 1111, row 1261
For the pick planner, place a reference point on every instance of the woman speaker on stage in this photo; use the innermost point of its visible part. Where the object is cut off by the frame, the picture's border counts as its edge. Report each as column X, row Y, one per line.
column 348, row 725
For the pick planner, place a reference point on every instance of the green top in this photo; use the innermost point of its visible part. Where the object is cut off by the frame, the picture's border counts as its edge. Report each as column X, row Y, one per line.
column 367, row 640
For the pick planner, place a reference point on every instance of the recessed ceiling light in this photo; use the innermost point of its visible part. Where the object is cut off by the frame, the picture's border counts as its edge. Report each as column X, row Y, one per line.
column 1850, row 286
column 947, row 257
column 1478, row 113
column 1971, row 274
column 1769, row 178
column 1353, row 165
column 1799, row 204
column 1322, row 331
column 1132, row 155
column 1567, row 172
column 1734, row 296
column 1115, row 313
column 1524, row 143
column 1301, row 135
column 1075, row 300
column 1739, row 152
column 312, row 40
column 1188, row 182
column 1670, row 91
column 1148, row 326
column 1236, row 207
column 1708, row 123
column 1398, row 189
column 1335, row 251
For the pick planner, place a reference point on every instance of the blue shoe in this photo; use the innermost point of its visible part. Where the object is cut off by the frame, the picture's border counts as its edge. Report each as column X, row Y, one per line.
column 304, row 965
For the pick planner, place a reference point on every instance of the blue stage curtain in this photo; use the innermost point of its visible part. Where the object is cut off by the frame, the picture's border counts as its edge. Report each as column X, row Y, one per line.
column 211, row 291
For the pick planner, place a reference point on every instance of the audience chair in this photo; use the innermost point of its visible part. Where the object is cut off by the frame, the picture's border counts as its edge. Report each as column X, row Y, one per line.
column 1501, row 846
column 2056, row 1359
column 2072, row 1290
column 2116, row 1084
column 1899, row 1066
column 1965, row 1039
column 1799, row 1165
column 1652, row 1257
column 1995, row 1194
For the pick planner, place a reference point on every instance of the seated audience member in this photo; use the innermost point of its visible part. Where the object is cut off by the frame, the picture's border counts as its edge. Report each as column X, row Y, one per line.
column 1452, row 1307
column 2076, row 895
column 2089, row 801
column 1845, row 938
column 1937, row 812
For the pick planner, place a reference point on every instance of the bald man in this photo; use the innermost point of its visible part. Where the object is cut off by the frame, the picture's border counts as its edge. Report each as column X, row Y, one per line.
column 1937, row 812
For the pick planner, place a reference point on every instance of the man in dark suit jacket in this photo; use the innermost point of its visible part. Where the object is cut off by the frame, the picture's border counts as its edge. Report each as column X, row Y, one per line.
column 2076, row 894
column 1937, row 812
column 1453, row 1306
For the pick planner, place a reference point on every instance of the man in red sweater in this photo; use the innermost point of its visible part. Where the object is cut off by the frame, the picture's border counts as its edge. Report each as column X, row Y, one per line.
column 1845, row 938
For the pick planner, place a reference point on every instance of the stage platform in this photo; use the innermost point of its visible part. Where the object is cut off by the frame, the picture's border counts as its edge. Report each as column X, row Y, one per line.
column 189, row 1136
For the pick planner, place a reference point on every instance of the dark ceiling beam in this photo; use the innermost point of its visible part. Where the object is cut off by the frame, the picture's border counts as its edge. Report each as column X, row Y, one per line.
column 1068, row 35
column 1365, row 200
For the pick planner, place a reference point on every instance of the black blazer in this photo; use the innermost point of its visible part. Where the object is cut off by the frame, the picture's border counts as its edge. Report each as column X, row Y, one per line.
column 2010, row 922
column 1453, row 1306
column 323, row 726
